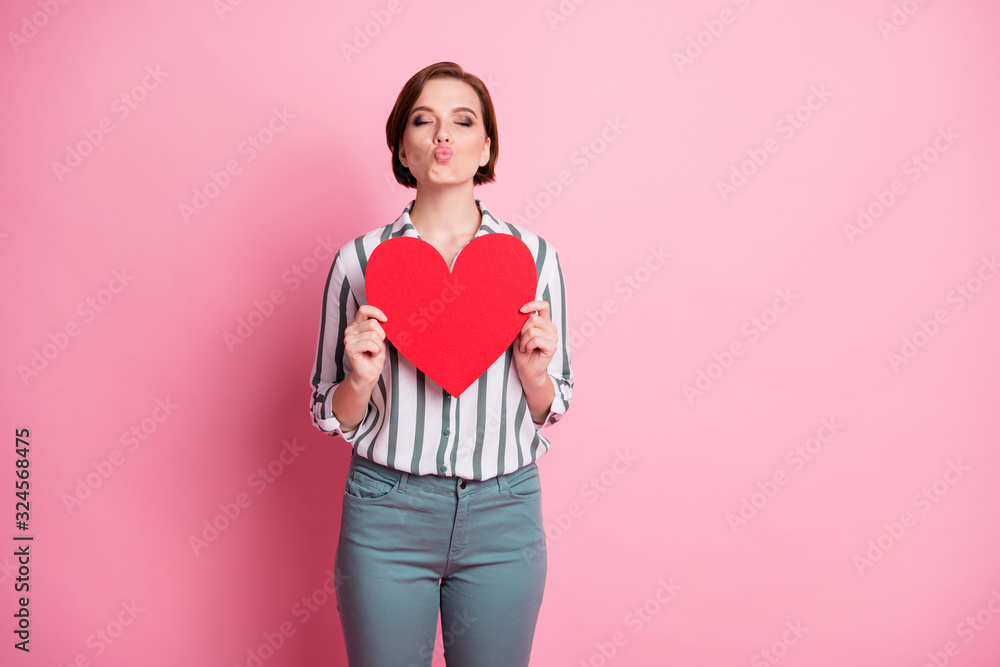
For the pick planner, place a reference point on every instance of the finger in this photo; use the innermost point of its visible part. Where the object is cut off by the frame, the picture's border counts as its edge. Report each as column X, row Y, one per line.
column 529, row 325
column 533, row 343
column 539, row 305
column 544, row 345
column 366, row 340
column 538, row 338
column 359, row 347
column 377, row 346
column 363, row 325
column 539, row 323
column 376, row 335
column 369, row 311
column 374, row 326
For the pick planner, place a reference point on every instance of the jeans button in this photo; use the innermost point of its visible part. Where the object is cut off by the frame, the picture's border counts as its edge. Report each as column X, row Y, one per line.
column 462, row 484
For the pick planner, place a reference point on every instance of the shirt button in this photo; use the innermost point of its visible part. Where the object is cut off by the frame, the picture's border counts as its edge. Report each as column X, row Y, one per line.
column 444, row 468
column 447, row 431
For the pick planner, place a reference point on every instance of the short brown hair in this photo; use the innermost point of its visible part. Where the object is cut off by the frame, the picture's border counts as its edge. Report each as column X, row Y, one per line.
column 396, row 125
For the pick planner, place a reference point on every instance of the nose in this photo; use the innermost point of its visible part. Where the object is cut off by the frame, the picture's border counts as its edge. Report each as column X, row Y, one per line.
column 442, row 136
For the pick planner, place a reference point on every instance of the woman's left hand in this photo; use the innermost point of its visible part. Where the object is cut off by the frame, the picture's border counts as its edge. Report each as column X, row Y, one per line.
column 536, row 342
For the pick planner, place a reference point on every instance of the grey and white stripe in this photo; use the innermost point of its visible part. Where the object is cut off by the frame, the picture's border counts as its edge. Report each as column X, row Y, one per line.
column 411, row 423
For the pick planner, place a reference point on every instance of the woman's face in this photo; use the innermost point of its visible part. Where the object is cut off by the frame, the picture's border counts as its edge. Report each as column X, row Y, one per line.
column 446, row 115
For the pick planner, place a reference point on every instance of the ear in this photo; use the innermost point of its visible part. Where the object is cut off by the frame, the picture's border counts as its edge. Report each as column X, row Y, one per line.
column 485, row 157
column 402, row 155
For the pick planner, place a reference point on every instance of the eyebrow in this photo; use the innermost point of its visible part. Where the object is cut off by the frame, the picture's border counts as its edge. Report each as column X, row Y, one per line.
column 456, row 109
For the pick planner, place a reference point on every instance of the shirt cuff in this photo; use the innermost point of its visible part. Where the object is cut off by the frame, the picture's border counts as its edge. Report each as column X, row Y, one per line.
column 330, row 424
column 560, row 403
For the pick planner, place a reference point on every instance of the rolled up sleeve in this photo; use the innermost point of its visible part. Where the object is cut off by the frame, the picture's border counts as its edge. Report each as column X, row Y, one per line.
column 332, row 366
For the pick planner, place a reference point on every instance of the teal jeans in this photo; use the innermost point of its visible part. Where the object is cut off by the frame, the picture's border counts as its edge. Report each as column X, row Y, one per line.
column 412, row 547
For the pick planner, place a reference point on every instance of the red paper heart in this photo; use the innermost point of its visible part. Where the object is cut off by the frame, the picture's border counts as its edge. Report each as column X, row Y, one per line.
column 452, row 325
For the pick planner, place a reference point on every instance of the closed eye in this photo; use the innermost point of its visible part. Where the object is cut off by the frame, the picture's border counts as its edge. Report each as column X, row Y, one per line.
column 424, row 122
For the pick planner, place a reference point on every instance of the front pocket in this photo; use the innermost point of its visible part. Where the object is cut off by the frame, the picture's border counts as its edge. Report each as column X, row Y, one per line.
column 367, row 485
column 527, row 485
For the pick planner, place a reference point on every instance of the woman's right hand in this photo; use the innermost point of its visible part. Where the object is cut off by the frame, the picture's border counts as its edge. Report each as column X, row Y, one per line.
column 364, row 344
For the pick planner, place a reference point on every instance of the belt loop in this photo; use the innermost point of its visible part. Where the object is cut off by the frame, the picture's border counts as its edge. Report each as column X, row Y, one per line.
column 502, row 483
column 403, row 476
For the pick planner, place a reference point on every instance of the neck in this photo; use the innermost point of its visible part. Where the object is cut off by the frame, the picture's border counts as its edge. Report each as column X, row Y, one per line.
column 445, row 214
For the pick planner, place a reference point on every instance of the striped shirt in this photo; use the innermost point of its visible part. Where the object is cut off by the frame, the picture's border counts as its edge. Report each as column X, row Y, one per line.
column 411, row 423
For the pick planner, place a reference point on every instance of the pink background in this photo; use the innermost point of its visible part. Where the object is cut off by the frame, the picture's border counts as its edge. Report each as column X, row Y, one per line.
column 647, row 563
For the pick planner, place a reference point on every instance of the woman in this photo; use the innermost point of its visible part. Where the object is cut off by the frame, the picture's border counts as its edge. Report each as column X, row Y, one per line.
column 442, row 504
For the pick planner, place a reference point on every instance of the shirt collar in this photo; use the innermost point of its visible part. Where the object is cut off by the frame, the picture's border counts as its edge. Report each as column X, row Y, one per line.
column 403, row 226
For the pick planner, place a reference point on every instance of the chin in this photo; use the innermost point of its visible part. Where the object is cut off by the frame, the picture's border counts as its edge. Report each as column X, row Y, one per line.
column 450, row 179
